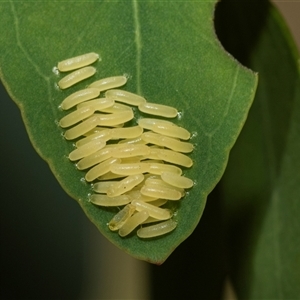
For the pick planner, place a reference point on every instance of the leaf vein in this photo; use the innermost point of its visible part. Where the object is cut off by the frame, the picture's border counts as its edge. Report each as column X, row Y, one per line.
column 210, row 134
column 20, row 45
column 27, row 56
column 138, row 43
column 227, row 106
column 83, row 34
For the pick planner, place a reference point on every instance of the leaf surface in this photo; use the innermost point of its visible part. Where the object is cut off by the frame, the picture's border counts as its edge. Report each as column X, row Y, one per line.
column 172, row 55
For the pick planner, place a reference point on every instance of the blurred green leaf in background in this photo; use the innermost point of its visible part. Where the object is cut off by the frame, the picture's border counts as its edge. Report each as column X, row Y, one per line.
column 261, row 185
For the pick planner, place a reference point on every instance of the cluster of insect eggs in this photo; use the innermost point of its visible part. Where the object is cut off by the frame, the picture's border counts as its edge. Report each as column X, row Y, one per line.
column 135, row 167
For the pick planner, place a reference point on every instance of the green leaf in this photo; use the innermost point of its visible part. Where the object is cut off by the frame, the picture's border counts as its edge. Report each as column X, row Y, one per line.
column 261, row 183
column 171, row 59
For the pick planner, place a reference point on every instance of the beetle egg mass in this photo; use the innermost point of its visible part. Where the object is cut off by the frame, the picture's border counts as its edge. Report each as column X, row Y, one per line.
column 135, row 167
